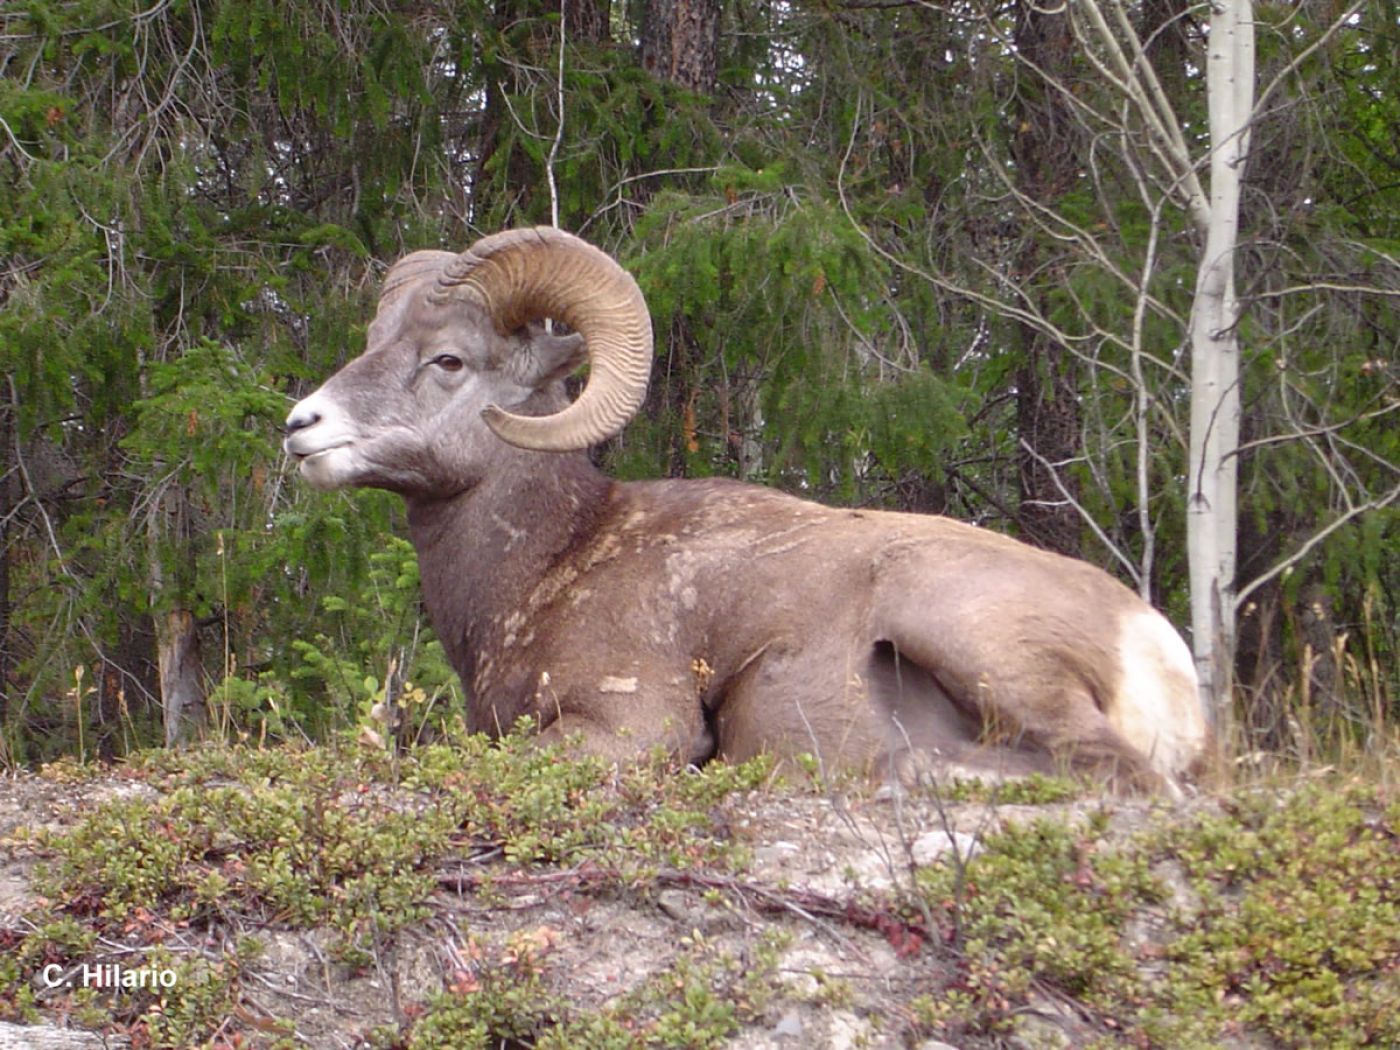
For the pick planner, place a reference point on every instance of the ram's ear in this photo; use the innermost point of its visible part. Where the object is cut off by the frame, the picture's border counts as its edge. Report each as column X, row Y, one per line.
column 546, row 356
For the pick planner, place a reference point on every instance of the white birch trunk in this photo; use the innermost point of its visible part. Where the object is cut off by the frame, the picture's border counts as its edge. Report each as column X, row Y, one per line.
column 1215, row 360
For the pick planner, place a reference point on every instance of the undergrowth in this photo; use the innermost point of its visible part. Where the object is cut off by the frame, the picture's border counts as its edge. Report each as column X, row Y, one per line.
column 351, row 841
column 1269, row 915
column 1273, row 915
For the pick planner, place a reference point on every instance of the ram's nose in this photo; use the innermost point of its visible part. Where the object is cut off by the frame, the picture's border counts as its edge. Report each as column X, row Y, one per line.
column 301, row 417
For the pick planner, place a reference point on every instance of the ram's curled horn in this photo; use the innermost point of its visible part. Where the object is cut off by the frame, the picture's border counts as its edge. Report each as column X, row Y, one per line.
column 527, row 275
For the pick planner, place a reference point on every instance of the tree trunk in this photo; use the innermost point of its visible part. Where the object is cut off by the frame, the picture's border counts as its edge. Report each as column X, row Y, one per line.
column 181, row 676
column 1211, row 513
column 9, row 492
column 586, row 21
column 1044, row 149
column 177, row 636
column 680, row 42
column 680, row 45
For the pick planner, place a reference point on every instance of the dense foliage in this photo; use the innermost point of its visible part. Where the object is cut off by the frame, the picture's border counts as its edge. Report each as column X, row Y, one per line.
column 891, row 260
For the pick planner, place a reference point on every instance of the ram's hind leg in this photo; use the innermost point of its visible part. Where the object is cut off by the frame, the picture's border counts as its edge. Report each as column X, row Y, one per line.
column 1080, row 736
column 1015, row 718
column 928, row 733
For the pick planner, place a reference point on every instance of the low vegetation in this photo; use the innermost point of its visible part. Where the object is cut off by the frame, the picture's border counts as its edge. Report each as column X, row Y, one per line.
column 1261, row 917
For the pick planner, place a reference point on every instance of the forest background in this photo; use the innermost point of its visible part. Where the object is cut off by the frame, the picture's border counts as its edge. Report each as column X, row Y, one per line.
column 928, row 256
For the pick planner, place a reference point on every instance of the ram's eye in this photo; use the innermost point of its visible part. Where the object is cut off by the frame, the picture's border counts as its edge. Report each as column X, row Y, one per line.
column 448, row 362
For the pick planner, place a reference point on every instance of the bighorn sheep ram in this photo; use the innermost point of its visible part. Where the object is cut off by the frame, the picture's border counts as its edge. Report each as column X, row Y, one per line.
column 709, row 616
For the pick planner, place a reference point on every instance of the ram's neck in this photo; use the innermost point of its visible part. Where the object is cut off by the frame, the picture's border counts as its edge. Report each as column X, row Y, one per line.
column 481, row 553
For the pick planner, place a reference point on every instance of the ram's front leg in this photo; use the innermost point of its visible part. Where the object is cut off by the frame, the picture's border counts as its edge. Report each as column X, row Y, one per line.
column 624, row 718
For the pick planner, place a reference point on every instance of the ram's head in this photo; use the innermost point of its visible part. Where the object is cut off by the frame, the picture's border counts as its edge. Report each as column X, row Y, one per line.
column 459, row 359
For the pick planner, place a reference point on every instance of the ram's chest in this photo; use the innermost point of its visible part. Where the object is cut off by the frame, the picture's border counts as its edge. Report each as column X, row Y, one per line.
column 599, row 623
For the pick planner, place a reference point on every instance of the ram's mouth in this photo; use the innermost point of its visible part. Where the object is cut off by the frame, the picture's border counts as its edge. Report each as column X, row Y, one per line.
column 326, row 468
column 315, row 454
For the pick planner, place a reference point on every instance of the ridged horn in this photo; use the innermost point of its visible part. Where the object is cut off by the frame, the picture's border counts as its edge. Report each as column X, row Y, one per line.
column 526, row 275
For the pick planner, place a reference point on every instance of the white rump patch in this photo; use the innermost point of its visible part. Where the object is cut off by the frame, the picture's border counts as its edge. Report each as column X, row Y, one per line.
column 1158, row 703
column 617, row 685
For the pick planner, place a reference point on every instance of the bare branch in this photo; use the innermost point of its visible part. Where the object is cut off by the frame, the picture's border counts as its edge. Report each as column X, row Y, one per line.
column 1122, row 559
column 1316, row 431
column 1323, row 286
column 14, row 141
column 1302, row 56
column 1137, row 80
column 1303, row 551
